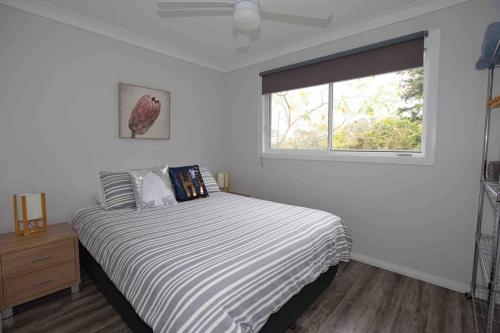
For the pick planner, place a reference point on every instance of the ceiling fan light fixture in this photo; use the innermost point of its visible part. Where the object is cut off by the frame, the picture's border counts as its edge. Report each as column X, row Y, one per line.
column 246, row 16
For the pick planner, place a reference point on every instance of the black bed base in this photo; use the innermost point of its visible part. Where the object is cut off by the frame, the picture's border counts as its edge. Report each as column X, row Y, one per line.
column 277, row 322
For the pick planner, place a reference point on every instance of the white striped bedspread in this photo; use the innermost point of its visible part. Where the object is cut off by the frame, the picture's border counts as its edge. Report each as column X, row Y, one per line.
column 219, row 264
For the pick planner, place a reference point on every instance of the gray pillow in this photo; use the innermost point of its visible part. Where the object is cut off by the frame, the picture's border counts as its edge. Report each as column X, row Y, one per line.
column 209, row 180
column 117, row 189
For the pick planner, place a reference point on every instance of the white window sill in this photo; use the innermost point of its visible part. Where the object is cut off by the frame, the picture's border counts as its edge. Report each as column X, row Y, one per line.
column 357, row 157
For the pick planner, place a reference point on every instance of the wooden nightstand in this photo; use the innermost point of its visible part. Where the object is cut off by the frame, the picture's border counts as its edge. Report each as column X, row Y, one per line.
column 37, row 265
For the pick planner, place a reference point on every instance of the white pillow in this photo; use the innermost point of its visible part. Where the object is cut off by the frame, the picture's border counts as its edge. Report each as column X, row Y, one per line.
column 152, row 188
column 99, row 197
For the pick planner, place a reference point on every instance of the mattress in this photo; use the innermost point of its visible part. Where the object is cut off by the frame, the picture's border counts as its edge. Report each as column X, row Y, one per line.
column 219, row 264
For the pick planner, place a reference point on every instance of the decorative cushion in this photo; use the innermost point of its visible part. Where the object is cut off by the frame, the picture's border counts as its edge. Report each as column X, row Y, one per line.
column 117, row 189
column 209, row 180
column 187, row 183
column 152, row 188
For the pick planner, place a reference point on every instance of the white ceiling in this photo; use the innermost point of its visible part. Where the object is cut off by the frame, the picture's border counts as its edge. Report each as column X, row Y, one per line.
column 209, row 40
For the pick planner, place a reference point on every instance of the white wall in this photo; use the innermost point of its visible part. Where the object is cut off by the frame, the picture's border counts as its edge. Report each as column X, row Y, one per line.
column 59, row 112
column 415, row 219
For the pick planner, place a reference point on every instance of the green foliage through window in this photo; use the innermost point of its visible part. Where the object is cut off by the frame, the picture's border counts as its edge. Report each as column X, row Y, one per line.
column 376, row 113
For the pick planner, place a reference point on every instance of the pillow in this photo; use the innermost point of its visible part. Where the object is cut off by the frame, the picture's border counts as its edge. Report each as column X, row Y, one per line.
column 117, row 189
column 187, row 183
column 209, row 180
column 152, row 188
column 99, row 198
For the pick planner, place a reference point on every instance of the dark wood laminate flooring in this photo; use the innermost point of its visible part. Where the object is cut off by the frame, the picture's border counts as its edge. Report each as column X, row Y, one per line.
column 362, row 298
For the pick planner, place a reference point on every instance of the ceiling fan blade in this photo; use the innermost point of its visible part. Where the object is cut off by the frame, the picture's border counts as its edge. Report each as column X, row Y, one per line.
column 321, row 9
column 191, row 4
column 296, row 19
column 241, row 40
column 195, row 12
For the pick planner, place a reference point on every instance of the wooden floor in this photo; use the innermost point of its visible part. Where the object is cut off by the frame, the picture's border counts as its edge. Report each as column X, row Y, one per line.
column 361, row 299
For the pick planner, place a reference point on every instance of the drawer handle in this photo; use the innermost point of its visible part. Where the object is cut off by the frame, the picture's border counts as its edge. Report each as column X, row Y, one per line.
column 40, row 259
column 42, row 283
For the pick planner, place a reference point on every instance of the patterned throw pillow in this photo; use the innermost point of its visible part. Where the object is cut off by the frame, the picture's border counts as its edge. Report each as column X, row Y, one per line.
column 187, row 183
column 209, row 180
column 117, row 189
column 152, row 188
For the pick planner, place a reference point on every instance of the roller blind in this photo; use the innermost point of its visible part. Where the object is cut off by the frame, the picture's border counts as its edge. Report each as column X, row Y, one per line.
column 393, row 55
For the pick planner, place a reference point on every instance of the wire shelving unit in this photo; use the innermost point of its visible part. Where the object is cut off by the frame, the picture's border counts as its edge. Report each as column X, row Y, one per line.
column 485, row 284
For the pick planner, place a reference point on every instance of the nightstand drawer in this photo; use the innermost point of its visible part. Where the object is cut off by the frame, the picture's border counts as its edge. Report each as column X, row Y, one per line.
column 30, row 260
column 39, row 283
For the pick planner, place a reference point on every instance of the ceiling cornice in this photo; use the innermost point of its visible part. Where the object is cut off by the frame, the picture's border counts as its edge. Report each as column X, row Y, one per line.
column 76, row 20
column 396, row 15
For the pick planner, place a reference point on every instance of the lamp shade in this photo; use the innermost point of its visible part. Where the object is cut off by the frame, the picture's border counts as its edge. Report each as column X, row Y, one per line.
column 223, row 179
column 33, row 205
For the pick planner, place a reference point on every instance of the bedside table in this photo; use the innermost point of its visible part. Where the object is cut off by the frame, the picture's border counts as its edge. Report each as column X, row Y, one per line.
column 37, row 265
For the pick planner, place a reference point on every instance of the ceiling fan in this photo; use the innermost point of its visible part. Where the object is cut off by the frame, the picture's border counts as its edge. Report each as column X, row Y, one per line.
column 247, row 14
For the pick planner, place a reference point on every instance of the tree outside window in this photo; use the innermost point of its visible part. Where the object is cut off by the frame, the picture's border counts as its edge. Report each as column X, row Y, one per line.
column 377, row 113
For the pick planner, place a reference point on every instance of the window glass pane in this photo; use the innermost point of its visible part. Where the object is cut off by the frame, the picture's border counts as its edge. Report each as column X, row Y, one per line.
column 379, row 113
column 299, row 118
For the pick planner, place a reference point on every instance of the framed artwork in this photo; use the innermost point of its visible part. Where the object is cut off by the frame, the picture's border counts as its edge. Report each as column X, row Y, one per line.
column 144, row 112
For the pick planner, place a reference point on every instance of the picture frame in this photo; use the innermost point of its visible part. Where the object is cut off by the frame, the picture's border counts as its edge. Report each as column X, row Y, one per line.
column 144, row 113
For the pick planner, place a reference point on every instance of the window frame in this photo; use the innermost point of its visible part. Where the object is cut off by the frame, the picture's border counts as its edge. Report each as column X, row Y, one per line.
column 425, row 157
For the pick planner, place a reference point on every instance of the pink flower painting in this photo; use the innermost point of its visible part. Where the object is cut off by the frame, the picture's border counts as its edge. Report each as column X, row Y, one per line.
column 144, row 113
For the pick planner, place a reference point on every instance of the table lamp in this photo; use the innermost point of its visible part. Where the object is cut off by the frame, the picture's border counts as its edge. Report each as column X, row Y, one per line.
column 223, row 181
column 29, row 211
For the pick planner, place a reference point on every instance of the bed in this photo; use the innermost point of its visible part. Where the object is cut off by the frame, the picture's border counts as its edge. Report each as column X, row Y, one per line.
column 226, row 263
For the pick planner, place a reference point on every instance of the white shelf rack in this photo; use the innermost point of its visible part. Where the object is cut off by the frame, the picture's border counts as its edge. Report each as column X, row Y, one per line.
column 485, row 284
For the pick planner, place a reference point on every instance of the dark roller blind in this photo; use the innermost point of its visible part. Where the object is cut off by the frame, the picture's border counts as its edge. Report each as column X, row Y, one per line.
column 389, row 56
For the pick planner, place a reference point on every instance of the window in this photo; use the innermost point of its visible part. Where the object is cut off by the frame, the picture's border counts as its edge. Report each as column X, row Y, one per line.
column 385, row 117
column 299, row 118
column 376, row 113
column 379, row 113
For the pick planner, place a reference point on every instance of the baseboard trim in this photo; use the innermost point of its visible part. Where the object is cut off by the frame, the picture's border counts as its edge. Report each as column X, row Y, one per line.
column 433, row 279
